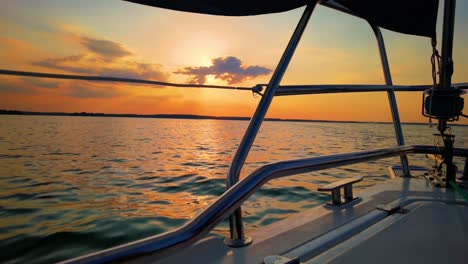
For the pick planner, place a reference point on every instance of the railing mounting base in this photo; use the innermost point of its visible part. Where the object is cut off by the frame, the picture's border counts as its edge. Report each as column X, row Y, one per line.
column 235, row 243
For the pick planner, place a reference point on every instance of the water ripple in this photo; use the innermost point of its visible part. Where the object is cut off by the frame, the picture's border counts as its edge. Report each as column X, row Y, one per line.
column 73, row 185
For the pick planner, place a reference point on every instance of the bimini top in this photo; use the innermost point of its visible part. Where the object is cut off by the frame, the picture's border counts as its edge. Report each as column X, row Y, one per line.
column 414, row 17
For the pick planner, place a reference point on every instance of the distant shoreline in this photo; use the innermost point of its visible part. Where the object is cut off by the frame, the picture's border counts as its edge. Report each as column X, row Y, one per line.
column 185, row 116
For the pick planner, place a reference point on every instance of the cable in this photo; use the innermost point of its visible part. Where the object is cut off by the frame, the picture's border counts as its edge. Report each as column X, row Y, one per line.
column 117, row 79
column 435, row 63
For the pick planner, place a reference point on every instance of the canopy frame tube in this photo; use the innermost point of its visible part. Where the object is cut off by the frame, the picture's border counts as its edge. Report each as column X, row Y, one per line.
column 237, row 237
column 391, row 98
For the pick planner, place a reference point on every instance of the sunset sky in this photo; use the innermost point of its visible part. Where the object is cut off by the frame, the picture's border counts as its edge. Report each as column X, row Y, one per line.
column 117, row 38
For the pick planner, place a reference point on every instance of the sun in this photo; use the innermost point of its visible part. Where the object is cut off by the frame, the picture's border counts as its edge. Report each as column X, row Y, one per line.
column 198, row 49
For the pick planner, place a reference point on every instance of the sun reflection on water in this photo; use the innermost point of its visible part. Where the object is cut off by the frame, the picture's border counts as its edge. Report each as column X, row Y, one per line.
column 108, row 181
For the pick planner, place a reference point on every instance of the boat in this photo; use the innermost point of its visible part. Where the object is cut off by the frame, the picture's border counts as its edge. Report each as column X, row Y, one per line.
column 420, row 215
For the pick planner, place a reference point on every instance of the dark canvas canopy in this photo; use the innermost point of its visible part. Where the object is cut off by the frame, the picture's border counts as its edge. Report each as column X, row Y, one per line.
column 415, row 17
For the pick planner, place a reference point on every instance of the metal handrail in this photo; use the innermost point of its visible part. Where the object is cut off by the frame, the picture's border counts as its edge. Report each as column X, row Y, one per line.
column 356, row 88
column 166, row 243
column 391, row 96
column 236, row 237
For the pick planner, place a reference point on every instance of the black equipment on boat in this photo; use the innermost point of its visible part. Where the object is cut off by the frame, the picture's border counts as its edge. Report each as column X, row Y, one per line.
column 443, row 104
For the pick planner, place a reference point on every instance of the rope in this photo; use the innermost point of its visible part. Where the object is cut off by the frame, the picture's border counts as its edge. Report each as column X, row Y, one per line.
column 117, row 79
column 435, row 62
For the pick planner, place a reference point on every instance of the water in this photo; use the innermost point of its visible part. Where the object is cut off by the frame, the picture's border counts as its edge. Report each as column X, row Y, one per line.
column 73, row 185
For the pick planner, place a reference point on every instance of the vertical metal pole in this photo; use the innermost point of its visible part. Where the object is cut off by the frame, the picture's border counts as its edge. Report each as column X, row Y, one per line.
column 446, row 72
column 391, row 98
column 465, row 170
column 446, row 69
column 237, row 237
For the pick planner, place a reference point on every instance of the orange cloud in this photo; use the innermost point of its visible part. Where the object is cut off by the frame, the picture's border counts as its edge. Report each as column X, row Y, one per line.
column 103, row 57
column 19, row 85
column 26, row 86
column 91, row 65
column 13, row 43
column 82, row 91
column 106, row 49
column 228, row 69
column 15, row 51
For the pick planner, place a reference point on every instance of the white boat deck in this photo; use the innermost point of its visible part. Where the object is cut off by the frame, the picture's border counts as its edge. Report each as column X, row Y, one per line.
column 432, row 227
column 431, row 232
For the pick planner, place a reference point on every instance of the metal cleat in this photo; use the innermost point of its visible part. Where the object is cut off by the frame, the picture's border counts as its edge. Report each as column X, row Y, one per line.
column 335, row 188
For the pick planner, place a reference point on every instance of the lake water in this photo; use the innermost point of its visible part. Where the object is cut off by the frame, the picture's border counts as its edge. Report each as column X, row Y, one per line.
column 73, row 185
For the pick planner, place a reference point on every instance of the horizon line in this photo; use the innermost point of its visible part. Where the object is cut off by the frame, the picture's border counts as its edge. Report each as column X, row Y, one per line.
column 191, row 116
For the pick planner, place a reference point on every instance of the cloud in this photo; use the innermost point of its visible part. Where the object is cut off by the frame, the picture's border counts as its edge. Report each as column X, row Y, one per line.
column 69, row 64
column 41, row 83
column 13, row 43
column 90, row 65
column 229, row 69
column 106, row 49
column 135, row 70
column 26, row 85
column 103, row 58
column 14, row 85
column 23, row 86
column 84, row 92
column 153, row 98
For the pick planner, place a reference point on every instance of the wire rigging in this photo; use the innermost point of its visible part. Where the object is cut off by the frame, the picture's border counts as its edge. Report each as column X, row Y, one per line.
column 119, row 79
column 435, row 63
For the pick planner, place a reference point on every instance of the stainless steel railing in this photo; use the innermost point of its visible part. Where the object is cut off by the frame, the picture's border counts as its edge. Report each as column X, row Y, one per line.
column 391, row 97
column 228, row 202
column 237, row 237
column 353, row 88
